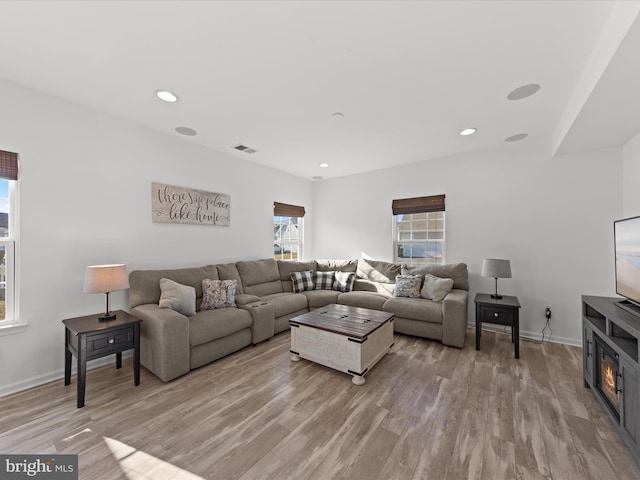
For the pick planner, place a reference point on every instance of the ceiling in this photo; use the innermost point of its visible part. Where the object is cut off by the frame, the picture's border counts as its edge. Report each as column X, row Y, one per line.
column 407, row 76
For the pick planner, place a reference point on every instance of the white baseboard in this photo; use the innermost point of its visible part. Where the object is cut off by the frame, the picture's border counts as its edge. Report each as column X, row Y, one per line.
column 531, row 335
column 56, row 375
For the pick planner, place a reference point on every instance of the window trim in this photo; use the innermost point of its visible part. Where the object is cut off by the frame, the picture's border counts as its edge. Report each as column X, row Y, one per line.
column 299, row 243
column 409, row 206
column 12, row 324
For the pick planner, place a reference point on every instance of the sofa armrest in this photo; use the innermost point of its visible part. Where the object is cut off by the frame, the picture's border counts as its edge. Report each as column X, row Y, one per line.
column 164, row 341
column 263, row 315
column 454, row 318
column 245, row 298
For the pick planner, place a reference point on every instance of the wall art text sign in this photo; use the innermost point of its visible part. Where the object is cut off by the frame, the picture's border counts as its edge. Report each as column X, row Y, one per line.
column 171, row 204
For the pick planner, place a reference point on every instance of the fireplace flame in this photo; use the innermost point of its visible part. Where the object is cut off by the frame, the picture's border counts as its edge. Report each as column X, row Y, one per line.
column 608, row 377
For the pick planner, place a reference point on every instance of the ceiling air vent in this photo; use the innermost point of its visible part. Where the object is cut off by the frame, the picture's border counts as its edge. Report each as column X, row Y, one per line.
column 245, row 149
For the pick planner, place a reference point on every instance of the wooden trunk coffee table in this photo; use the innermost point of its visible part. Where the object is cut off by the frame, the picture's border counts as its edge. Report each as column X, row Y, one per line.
column 348, row 339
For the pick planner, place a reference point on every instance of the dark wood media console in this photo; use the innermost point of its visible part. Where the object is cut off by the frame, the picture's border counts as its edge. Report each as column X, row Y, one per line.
column 611, row 351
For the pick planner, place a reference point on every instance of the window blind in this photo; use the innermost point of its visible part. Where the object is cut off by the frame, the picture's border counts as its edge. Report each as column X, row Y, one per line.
column 286, row 210
column 8, row 165
column 405, row 206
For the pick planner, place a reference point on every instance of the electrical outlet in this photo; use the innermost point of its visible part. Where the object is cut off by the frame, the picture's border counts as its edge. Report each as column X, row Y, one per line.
column 547, row 311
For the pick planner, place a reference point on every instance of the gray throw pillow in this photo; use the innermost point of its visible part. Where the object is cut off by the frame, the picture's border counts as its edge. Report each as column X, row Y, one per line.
column 178, row 297
column 407, row 286
column 436, row 288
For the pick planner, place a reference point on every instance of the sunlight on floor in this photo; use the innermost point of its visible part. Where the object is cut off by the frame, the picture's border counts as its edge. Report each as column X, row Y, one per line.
column 138, row 465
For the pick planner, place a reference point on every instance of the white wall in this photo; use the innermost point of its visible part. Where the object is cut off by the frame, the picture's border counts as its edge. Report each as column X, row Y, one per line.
column 85, row 199
column 552, row 217
column 631, row 178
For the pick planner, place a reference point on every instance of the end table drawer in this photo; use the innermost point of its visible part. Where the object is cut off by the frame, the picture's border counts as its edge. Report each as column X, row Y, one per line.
column 496, row 315
column 114, row 341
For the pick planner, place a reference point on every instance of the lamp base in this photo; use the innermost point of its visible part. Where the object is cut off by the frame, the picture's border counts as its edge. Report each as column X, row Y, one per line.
column 496, row 296
column 107, row 316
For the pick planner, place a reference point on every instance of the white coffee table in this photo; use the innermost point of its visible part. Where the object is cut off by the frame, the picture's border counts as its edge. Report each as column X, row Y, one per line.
column 348, row 339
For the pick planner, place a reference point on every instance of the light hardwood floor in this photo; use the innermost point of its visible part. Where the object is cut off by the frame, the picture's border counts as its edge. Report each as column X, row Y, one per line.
column 426, row 411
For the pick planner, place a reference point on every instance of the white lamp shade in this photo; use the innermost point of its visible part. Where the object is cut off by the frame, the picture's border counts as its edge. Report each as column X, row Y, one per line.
column 496, row 268
column 105, row 278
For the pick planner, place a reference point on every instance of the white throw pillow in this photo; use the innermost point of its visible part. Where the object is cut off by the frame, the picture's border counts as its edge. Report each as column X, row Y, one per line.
column 436, row 288
column 178, row 297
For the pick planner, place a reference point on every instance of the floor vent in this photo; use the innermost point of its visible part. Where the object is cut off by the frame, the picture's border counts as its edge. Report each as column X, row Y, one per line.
column 245, row 149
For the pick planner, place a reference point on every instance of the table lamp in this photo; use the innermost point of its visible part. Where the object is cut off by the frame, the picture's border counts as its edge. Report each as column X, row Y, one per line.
column 106, row 279
column 496, row 268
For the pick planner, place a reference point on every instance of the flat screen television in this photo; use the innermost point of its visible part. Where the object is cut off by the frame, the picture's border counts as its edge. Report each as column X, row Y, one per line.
column 626, row 233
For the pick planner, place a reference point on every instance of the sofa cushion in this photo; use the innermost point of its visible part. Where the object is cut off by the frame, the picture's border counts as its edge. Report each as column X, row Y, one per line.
column 301, row 281
column 456, row 271
column 378, row 271
column 343, row 281
column 178, row 297
column 320, row 298
column 229, row 271
column 436, row 288
column 218, row 294
column 415, row 309
column 370, row 300
column 408, row 286
column 363, row 285
column 286, row 303
column 323, row 280
column 260, row 277
column 209, row 325
column 337, row 265
column 285, row 268
column 145, row 284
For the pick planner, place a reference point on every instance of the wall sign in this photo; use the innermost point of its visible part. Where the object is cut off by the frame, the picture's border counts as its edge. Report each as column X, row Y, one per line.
column 170, row 204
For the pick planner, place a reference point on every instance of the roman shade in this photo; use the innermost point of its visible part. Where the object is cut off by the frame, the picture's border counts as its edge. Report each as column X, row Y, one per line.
column 8, row 165
column 286, row 210
column 405, row 206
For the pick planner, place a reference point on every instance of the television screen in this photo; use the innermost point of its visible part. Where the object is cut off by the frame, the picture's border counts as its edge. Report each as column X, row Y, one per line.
column 627, row 244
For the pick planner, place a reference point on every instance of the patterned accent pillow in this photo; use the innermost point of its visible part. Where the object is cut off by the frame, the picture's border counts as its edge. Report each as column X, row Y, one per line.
column 218, row 294
column 436, row 288
column 302, row 281
column 178, row 297
column 324, row 280
column 344, row 281
column 408, row 286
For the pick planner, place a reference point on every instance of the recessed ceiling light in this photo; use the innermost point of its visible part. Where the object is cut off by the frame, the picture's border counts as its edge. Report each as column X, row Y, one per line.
column 317, row 177
column 337, row 115
column 517, row 137
column 524, row 91
column 167, row 96
column 190, row 132
column 324, row 165
column 468, row 131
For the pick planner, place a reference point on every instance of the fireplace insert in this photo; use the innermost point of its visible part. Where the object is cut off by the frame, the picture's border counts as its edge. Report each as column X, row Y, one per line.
column 608, row 377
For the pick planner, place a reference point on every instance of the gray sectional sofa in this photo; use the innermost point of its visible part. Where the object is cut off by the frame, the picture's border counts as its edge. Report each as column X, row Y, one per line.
column 172, row 344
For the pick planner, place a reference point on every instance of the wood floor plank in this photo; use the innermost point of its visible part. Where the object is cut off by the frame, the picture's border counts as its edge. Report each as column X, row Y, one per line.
column 530, row 448
column 427, row 411
column 565, row 460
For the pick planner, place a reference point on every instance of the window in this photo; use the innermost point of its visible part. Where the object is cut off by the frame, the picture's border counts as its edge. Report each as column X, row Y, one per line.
column 418, row 230
column 8, row 185
column 287, row 231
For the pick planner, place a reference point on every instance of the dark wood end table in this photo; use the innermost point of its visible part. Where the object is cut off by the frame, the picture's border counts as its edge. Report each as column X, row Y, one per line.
column 88, row 338
column 503, row 311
